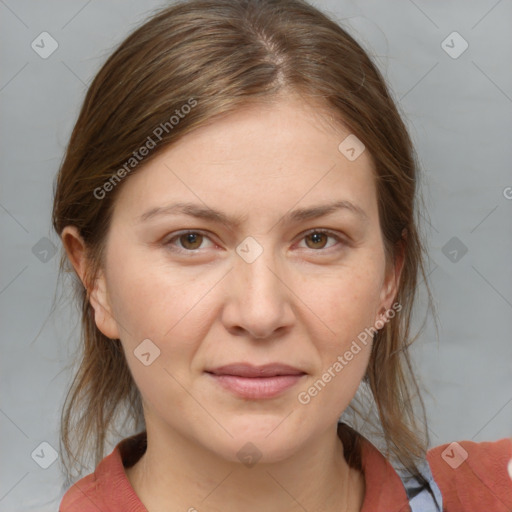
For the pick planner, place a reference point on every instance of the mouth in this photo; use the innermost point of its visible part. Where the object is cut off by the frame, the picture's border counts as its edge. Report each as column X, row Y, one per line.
column 256, row 382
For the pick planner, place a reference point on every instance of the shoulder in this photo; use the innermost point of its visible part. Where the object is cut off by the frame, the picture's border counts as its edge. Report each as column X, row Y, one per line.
column 473, row 476
column 83, row 496
column 108, row 488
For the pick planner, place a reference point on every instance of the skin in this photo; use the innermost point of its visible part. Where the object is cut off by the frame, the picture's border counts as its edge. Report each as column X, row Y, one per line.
column 301, row 302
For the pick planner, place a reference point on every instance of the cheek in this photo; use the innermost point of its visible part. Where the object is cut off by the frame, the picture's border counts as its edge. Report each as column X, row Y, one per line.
column 346, row 304
column 157, row 302
column 163, row 306
column 151, row 297
column 345, row 301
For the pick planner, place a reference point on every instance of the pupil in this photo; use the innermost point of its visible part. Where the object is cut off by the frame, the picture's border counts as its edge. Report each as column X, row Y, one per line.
column 316, row 238
column 191, row 239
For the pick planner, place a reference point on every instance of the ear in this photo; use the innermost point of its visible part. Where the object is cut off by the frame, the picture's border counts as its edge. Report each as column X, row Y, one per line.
column 97, row 291
column 392, row 279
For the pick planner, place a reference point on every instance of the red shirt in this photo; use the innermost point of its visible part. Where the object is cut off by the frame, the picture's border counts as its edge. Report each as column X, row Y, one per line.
column 479, row 483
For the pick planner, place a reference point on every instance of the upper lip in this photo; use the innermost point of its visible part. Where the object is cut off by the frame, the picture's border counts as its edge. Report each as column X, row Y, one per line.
column 249, row 370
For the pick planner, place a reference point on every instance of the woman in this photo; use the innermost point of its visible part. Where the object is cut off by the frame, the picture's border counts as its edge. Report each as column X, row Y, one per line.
column 238, row 203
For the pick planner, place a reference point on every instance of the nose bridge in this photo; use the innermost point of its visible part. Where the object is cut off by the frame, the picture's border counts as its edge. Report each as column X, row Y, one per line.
column 254, row 270
column 257, row 276
column 260, row 299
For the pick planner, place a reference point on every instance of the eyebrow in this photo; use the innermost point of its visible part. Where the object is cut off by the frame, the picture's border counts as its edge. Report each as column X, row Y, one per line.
column 204, row 212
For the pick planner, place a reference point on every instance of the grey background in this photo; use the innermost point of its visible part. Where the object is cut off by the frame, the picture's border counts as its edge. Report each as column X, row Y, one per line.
column 459, row 113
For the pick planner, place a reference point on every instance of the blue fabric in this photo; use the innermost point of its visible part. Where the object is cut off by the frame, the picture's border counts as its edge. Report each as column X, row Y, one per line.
column 420, row 499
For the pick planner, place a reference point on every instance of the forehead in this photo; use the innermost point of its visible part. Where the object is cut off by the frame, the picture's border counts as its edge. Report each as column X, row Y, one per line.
column 259, row 159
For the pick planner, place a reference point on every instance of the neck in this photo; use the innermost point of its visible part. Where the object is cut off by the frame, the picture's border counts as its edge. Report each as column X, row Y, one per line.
column 174, row 472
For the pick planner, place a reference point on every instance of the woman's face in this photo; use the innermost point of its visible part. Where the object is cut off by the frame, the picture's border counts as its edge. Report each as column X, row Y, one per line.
column 255, row 283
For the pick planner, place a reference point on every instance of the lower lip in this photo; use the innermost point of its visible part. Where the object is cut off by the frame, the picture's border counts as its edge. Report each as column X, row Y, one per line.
column 257, row 387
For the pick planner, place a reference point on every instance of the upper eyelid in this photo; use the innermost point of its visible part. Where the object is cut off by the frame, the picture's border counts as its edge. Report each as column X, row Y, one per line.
column 328, row 232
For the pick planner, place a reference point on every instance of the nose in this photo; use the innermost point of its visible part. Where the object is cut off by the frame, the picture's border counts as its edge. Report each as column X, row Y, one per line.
column 260, row 300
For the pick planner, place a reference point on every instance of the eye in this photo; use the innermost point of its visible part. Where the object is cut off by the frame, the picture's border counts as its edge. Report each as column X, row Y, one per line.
column 189, row 241
column 317, row 239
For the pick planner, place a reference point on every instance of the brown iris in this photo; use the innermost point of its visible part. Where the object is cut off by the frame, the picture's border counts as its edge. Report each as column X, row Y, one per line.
column 194, row 239
column 317, row 239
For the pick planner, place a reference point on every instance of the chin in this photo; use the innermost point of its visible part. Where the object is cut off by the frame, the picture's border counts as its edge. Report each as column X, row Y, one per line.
column 258, row 443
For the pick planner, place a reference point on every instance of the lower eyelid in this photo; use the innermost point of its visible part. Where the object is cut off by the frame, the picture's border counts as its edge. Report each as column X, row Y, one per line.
column 329, row 234
column 171, row 241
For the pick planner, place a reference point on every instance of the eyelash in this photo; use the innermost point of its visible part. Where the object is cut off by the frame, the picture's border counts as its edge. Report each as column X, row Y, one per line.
column 169, row 244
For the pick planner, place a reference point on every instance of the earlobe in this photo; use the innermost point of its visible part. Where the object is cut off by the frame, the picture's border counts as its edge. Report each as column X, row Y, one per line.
column 100, row 302
column 97, row 291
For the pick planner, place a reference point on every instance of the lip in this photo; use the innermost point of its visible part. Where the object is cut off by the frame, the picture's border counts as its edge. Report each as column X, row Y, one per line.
column 249, row 370
column 256, row 382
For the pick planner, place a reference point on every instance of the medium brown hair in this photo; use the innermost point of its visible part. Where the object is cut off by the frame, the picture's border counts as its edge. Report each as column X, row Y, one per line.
column 225, row 54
